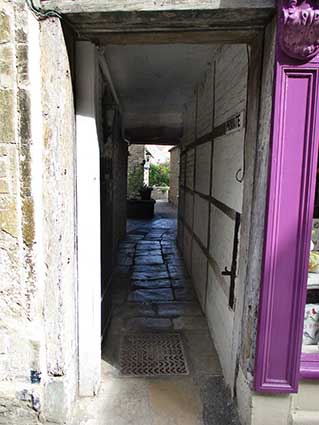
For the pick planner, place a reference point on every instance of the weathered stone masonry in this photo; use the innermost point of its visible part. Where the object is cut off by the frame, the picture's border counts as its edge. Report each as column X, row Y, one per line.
column 38, row 262
column 21, row 298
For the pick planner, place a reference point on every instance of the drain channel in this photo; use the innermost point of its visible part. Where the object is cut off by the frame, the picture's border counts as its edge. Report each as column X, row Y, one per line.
column 152, row 355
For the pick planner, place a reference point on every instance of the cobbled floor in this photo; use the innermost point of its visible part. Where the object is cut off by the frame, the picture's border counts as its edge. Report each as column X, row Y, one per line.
column 153, row 293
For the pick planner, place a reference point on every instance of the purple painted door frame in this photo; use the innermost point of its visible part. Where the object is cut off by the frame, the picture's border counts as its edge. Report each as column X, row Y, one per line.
column 290, row 200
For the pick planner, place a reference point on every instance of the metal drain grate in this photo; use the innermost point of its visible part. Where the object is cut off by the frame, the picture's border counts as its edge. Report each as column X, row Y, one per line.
column 152, row 355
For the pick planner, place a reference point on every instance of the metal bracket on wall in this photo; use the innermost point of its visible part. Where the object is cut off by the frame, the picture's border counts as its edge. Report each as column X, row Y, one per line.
column 232, row 273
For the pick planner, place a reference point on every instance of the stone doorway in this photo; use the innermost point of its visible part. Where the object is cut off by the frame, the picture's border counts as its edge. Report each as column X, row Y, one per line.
column 217, row 131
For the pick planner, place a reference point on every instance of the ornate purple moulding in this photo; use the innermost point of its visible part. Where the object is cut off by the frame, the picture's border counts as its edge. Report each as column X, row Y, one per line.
column 299, row 28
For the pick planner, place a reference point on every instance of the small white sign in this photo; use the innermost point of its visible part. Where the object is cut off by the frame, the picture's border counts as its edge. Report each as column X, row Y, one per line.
column 235, row 123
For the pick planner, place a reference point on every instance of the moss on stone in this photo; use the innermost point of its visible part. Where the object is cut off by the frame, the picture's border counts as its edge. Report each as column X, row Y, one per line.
column 6, row 64
column 9, row 217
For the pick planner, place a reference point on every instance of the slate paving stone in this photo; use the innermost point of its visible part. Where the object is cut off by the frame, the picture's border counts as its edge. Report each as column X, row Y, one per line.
column 151, row 284
column 149, row 268
column 151, row 295
column 148, row 243
column 218, row 407
column 142, row 303
column 129, row 311
column 134, row 237
column 123, row 269
column 124, row 260
column 150, row 275
column 130, row 252
column 143, row 324
column 179, row 309
column 200, row 343
column 172, row 260
column 147, row 252
column 150, row 259
column 182, row 323
column 169, row 243
column 177, row 275
column 184, row 294
column 139, row 231
column 177, row 271
column 181, row 283
column 151, row 236
column 167, row 250
column 127, row 245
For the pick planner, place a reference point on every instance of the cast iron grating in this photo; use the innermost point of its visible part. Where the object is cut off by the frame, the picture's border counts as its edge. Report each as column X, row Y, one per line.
column 152, row 355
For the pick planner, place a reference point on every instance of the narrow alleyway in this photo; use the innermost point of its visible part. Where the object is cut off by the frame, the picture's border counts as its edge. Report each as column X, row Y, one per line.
column 153, row 300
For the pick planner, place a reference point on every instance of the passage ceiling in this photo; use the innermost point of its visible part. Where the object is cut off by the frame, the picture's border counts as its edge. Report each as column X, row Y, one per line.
column 154, row 82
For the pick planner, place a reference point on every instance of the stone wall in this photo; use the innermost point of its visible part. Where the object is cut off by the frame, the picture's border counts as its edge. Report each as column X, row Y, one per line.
column 136, row 156
column 21, row 299
column 174, row 176
column 38, row 261
column 59, row 222
column 135, row 169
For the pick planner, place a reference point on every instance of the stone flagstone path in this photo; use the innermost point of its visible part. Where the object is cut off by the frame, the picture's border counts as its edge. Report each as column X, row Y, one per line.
column 152, row 292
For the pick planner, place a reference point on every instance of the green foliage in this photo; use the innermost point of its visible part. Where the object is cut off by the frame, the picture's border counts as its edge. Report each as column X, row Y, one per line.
column 135, row 182
column 159, row 174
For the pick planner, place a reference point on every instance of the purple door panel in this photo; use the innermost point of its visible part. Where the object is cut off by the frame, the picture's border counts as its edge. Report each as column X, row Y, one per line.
column 293, row 164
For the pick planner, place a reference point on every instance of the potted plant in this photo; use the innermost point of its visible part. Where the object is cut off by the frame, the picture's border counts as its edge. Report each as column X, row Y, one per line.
column 145, row 192
column 144, row 207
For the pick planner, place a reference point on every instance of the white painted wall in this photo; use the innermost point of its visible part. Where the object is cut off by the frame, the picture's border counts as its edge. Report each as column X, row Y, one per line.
column 88, row 208
column 213, row 166
column 203, row 165
column 228, row 163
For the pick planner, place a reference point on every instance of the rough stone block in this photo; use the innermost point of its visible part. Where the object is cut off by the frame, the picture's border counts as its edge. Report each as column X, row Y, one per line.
column 4, row 186
column 307, row 397
column 275, row 407
column 9, row 216
column 24, row 105
column 7, row 116
column 22, row 62
column 55, row 397
column 3, row 168
column 4, row 27
column 6, row 67
column 305, row 418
